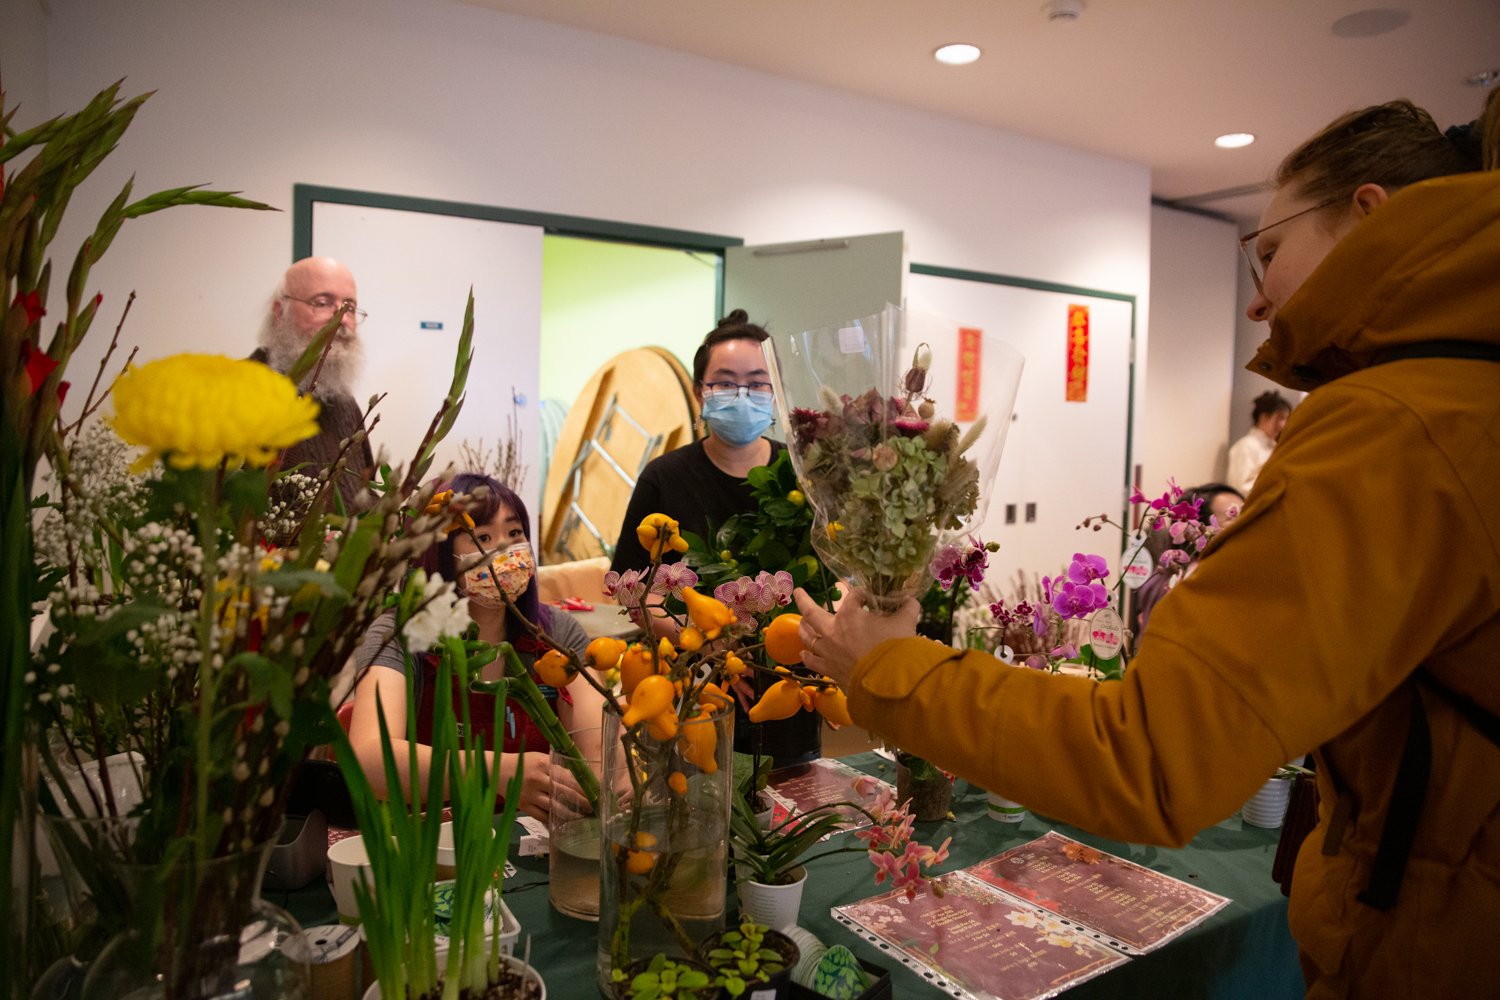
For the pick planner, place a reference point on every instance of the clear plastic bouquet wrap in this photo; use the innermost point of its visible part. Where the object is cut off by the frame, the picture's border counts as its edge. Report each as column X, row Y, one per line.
column 895, row 424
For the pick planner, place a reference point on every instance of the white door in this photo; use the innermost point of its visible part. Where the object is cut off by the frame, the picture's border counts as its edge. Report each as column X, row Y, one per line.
column 414, row 272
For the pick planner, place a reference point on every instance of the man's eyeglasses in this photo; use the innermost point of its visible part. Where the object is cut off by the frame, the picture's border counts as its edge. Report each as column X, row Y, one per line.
column 327, row 304
column 734, row 388
column 1247, row 249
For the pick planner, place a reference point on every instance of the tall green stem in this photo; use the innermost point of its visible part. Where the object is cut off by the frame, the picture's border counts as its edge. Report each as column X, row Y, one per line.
column 524, row 690
column 208, row 678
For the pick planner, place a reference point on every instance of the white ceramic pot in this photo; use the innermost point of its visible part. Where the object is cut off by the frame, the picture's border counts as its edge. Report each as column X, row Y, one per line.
column 447, row 865
column 373, row 993
column 1267, row 807
column 1004, row 810
column 347, row 862
column 776, row 906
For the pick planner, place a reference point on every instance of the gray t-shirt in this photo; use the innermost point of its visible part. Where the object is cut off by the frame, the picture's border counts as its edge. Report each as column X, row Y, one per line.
column 380, row 649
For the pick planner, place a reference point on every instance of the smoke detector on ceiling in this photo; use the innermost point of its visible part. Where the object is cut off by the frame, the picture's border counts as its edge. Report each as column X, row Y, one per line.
column 1063, row 10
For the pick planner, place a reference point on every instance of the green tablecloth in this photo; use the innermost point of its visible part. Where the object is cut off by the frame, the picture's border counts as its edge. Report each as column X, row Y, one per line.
column 1243, row 951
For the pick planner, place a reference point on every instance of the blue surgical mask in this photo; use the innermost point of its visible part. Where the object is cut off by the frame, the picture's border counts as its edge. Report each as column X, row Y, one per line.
column 740, row 418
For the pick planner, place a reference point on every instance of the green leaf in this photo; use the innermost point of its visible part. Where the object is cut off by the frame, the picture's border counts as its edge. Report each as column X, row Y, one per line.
column 245, row 494
column 289, row 581
column 774, row 556
column 269, row 681
column 783, row 509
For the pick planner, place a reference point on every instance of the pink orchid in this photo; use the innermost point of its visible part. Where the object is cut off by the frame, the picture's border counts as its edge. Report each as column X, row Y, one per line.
column 748, row 598
column 672, row 578
column 1173, row 557
column 627, row 588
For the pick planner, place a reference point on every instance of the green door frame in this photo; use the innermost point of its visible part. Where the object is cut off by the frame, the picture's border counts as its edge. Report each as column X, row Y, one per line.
column 303, row 196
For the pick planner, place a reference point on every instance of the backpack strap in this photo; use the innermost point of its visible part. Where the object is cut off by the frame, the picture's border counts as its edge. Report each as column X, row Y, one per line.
column 1414, row 771
column 1410, row 790
column 1471, row 350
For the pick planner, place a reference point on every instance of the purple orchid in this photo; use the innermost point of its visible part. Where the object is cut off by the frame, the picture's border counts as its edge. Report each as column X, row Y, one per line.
column 954, row 561
column 1075, row 600
column 1087, row 568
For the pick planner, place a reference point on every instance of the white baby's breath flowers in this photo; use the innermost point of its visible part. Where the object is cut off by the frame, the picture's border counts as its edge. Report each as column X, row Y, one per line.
column 443, row 612
column 99, row 487
column 291, row 496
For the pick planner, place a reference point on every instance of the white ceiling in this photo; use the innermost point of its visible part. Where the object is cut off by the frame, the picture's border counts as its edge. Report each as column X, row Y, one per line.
column 1150, row 81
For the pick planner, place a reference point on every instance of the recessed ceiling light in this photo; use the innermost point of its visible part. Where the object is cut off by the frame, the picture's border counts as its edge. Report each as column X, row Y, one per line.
column 1368, row 23
column 1234, row 140
column 1484, row 79
column 958, row 54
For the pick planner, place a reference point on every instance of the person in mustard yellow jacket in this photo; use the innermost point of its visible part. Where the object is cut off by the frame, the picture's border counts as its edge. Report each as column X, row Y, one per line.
column 1353, row 608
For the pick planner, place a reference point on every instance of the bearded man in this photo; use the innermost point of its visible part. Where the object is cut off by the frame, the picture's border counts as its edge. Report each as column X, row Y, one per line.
column 310, row 292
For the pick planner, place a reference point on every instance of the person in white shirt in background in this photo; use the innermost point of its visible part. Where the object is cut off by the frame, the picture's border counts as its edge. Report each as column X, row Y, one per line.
column 1250, row 452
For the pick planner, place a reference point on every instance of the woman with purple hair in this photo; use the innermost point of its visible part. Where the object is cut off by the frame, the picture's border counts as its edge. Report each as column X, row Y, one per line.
column 495, row 556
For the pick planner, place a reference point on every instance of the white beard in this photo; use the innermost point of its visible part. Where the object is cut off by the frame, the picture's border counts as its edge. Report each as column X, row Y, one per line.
column 341, row 365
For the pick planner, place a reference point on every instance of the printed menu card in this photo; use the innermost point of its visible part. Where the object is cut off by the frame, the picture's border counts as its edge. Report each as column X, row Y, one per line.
column 807, row 786
column 1139, row 909
column 1031, row 922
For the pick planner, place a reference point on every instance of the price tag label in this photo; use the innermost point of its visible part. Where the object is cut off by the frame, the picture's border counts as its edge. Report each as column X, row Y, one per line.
column 851, row 340
column 1139, row 566
column 1106, row 633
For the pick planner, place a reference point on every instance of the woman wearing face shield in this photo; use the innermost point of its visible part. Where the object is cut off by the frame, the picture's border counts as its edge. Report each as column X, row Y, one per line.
column 501, row 529
column 1352, row 609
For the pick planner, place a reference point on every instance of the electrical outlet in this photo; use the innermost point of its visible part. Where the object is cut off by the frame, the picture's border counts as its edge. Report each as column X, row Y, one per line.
column 1030, row 513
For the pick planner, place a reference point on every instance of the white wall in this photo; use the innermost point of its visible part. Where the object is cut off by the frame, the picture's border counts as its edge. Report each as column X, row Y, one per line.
column 23, row 58
column 423, row 97
column 430, row 98
column 1191, row 350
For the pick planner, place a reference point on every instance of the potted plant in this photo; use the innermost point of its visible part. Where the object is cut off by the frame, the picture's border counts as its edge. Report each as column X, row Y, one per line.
column 663, row 978
column 771, row 862
column 749, row 954
column 398, row 911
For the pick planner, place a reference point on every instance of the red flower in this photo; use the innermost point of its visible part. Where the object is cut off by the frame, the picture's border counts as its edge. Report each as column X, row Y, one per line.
column 32, row 303
column 38, row 364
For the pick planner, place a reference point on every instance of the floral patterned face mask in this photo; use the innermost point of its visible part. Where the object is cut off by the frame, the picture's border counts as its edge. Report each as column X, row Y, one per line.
column 509, row 570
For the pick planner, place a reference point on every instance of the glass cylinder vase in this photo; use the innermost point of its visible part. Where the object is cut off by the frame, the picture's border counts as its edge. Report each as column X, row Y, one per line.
column 573, row 834
column 200, row 931
column 665, row 825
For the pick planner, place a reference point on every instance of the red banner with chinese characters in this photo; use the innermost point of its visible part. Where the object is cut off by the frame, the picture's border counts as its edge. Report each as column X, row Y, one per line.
column 1078, row 354
column 967, row 407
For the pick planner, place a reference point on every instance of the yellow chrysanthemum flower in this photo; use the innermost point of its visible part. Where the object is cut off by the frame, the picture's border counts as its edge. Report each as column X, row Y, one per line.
column 202, row 409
